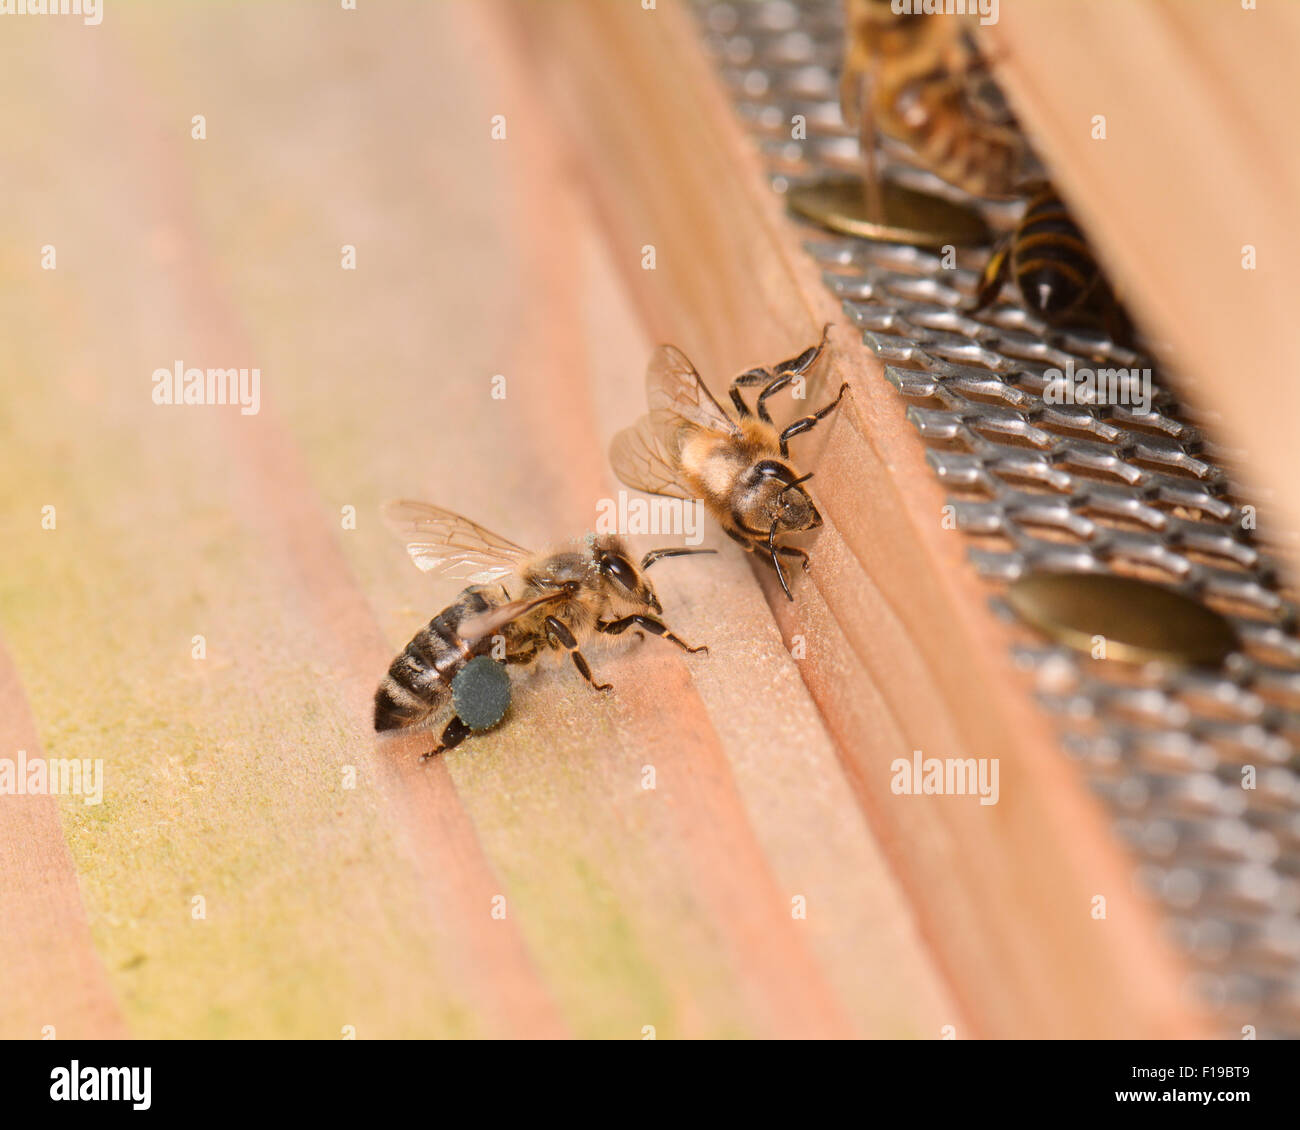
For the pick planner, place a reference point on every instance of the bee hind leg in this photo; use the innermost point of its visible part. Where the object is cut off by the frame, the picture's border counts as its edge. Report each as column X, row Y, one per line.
column 453, row 734
column 559, row 634
column 650, row 624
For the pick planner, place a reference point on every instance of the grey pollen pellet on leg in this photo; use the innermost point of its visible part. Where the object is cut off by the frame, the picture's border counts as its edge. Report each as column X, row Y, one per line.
column 481, row 693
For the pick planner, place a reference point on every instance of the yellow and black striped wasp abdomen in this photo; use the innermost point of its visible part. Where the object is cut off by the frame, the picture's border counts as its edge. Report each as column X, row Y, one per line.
column 1051, row 263
column 1053, row 267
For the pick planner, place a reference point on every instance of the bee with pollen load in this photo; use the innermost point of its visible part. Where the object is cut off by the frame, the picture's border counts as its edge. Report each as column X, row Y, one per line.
column 587, row 592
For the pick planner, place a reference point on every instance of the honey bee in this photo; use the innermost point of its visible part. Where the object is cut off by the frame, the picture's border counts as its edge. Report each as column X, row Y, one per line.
column 689, row 447
column 921, row 80
column 564, row 599
column 1054, row 269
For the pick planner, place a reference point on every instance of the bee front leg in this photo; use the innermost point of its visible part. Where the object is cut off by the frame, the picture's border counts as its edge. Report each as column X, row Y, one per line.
column 795, row 551
column 775, row 379
column 786, row 371
column 559, row 634
column 455, row 732
column 807, row 423
column 780, row 573
column 650, row 624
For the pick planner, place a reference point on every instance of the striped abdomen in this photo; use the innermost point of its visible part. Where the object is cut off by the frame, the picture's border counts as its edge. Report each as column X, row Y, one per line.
column 1051, row 262
column 419, row 680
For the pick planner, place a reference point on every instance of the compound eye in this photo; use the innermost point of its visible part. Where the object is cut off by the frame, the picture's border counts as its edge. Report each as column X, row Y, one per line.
column 771, row 469
column 620, row 568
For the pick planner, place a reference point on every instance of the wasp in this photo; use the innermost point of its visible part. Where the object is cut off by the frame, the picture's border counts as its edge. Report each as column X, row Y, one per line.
column 1053, row 267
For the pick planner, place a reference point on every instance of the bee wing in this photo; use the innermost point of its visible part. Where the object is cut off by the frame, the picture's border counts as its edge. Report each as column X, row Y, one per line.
column 489, row 623
column 448, row 545
column 675, row 394
column 639, row 460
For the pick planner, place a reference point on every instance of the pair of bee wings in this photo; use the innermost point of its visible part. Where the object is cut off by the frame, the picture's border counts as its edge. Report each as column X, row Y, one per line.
column 646, row 456
column 447, row 545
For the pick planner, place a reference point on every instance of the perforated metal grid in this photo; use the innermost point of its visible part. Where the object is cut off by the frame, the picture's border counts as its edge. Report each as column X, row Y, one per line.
column 1077, row 488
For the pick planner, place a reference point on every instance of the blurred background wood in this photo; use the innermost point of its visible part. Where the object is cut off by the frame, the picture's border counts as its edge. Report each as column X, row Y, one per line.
column 1200, row 161
column 326, row 906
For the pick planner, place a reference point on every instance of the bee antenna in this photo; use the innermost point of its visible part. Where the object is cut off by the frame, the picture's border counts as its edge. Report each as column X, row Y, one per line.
column 776, row 561
column 675, row 551
column 796, row 484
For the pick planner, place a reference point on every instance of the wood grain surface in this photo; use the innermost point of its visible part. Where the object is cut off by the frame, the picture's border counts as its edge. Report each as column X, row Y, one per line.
column 327, row 907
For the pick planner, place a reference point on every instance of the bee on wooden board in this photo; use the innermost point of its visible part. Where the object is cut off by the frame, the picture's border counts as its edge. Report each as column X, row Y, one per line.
column 562, row 600
column 1053, row 267
column 921, row 80
column 689, row 447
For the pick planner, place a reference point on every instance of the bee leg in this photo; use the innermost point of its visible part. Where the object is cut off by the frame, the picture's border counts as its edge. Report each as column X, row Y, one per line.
column 650, row 624
column 780, row 575
column 768, row 554
column 455, row 732
column 805, row 360
column 795, row 551
column 777, row 384
column 786, row 371
column 558, row 632
column 807, row 423
column 767, row 550
column 775, row 379
column 747, row 380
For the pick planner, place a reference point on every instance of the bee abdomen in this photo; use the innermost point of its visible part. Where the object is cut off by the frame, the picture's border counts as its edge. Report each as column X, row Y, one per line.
column 396, row 707
column 419, row 680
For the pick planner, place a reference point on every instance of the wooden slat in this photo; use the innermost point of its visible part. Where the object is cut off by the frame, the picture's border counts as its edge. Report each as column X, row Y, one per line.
column 1201, row 157
column 54, row 982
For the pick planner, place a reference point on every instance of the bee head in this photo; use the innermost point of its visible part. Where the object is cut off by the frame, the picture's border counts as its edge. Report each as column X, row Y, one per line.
column 622, row 577
column 789, row 506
